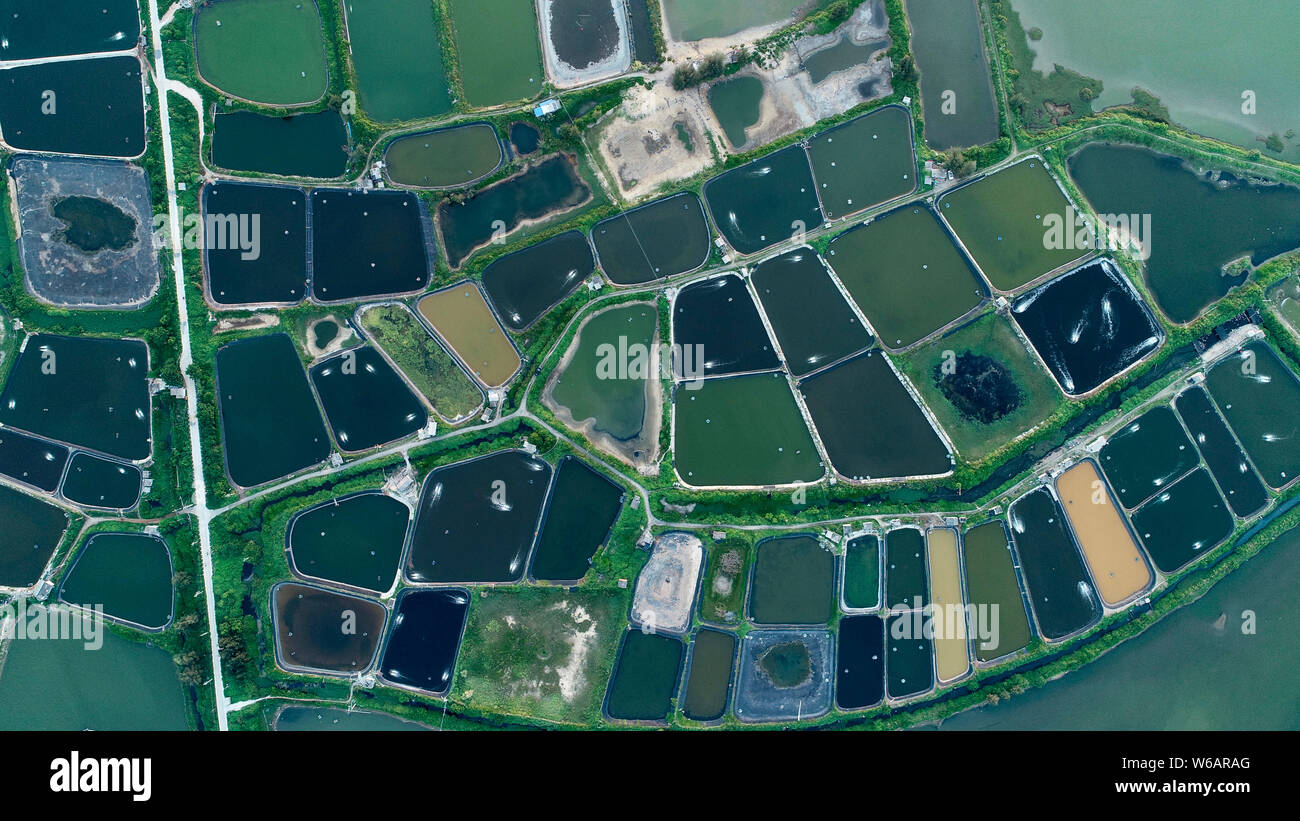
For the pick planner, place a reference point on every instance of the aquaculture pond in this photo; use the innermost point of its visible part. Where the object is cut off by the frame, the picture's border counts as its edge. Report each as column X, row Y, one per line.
column 32, row 461
column 1088, row 326
column 85, row 391
column 1284, row 298
column 463, row 319
column 813, row 322
column 951, row 641
column 1146, row 455
column 366, row 402
column 542, row 190
column 268, row 51
column 642, row 34
column 992, row 587
column 525, row 138
column 956, row 86
column 862, row 572
column 69, row 686
column 130, row 574
column 692, row 20
column 766, row 201
column 1250, row 388
column 847, row 52
column 1063, row 598
column 1183, row 523
column 270, row 424
column 1118, row 568
column 1016, row 223
column 1223, row 456
column 645, row 677
column 719, row 331
column 96, row 482
column 477, row 519
column 444, row 158
column 909, row 669
column 579, row 517
column 708, row 675
column 784, row 675
column 498, row 50
column 423, row 641
column 794, row 579
column 259, row 254
column 26, row 32
column 431, row 369
column 905, row 273
column 742, row 430
column 1199, row 221
column 398, row 59
column 355, row 540
column 526, row 284
column 100, row 107
column 736, row 103
column 326, row 719
column 323, row 631
column 304, row 145
column 860, row 662
column 367, row 243
column 906, row 581
column 864, row 162
column 659, row 239
column 869, row 423
column 33, row 529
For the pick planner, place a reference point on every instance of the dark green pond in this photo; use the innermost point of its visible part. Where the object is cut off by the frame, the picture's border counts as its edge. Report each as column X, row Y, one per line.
column 1087, row 326
column 735, row 102
column 31, row 533
column 98, row 107
column 130, row 574
column 356, row 540
column 551, row 186
column 324, row 332
column 812, row 320
column 645, row 677
column 445, row 157
column 1223, row 456
column 616, row 406
column 32, row 461
column 906, row 580
column 477, row 519
column 96, row 482
column 525, row 138
column 659, row 239
column 956, row 87
column 766, row 201
column 1059, row 587
column 864, row 162
column 991, row 585
column 528, row 283
column 869, row 423
column 909, row 669
column 367, row 244
column 92, row 224
column 579, row 517
column 422, row 644
column 318, row 629
column 643, row 43
column 719, row 330
column 708, row 675
column 304, row 145
column 270, row 424
column 1146, row 455
column 846, row 53
column 326, row 719
column 366, row 402
column 31, row 29
column 794, row 578
column 860, row 662
column 862, row 572
column 1198, row 224
column 1183, row 523
column 906, row 274
column 89, row 392
column 275, row 270
column 1251, row 389
column 398, row 58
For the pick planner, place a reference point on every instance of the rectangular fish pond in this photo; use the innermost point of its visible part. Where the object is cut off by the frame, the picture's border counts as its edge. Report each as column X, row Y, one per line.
column 645, row 677
column 860, row 662
column 1250, row 388
column 793, row 582
column 433, row 371
column 579, row 518
column 864, row 162
column 302, row 145
column 909, row 656
column 708, row 675
column 444, row 157
column 259, row 253
column 366, row 402
column 1088, row 326
column 1223, row 456
column 325, row 632
column 992, row 587
column 462, row 318
column 26, row 32
column 906, row 274
column 130, row 574
column 660, row 239
column 1059, row 586
column 956, row 85
column 1147, row 455
column 862, row 573
column 93, row 481
column 368, row 243
column 32, row 532
column 784, row 675
column 1185, row 522
column 99, row 107
column 477, row 519
column 719, row 331
column 32, row 461
column 355, row 540
column 1118, row 568
column 398, row 59
column 498, row 49
column 268, row 51
column 869, row 423
column 524, row 285
column 270, row 423
column 424, row 638
column 86, row 391
column 951, row 641
column 906, row 580
column 766, row 201
column 332, row 719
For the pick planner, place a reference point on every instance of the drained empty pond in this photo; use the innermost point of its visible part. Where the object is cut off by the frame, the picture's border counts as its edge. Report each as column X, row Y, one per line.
column 367, row 244
column 718, row 328
column 526, row 284
column 784, row 675
column 355, row 540
column 445, row 158
column 765, row 201
column 659, row 239
column 422, row 644
column 864, row 162
column 130, row 574
column 1062, row 594
column 463, row 319
column 794, row 579
column 320, row 630
column 579, row 517
column 1250, row 388
column 366, row 402
column 261, row 251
